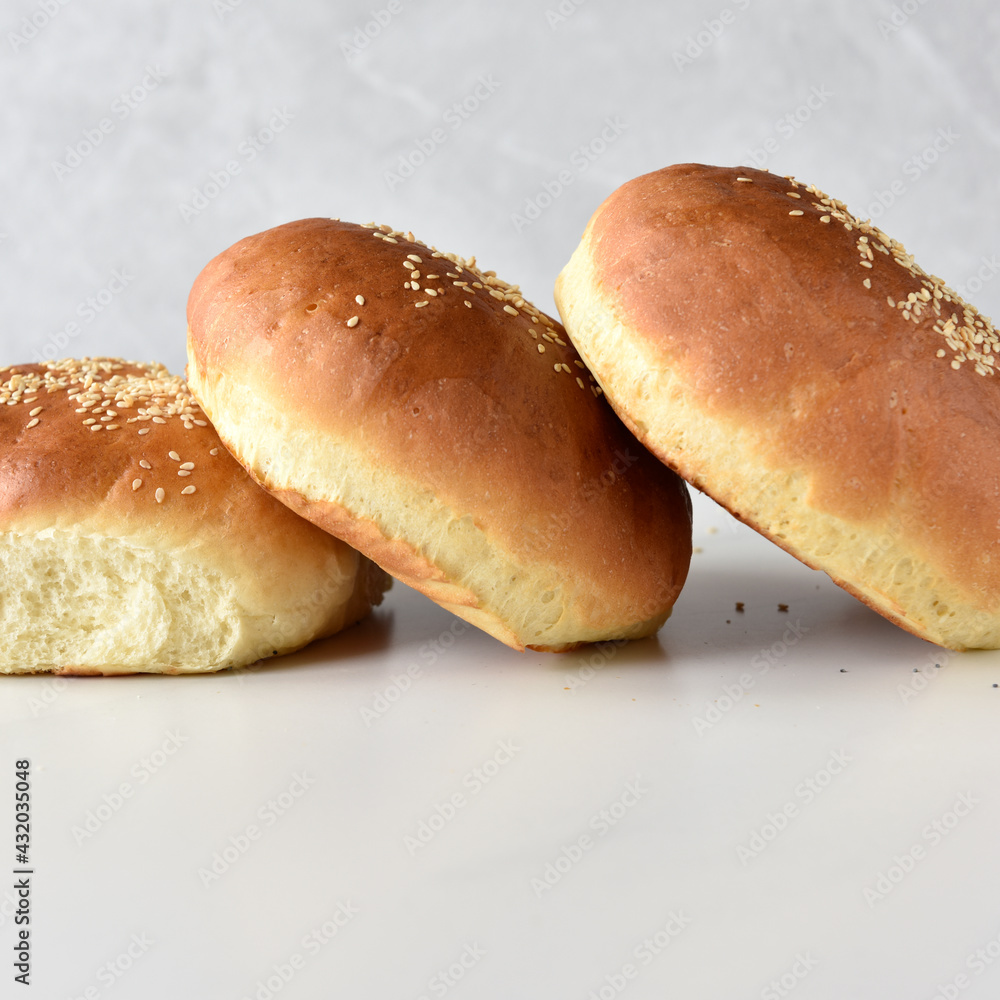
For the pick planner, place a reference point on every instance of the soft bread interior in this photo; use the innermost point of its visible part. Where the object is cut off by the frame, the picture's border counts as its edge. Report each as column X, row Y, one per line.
column 459, row 565
column 88, row 603
column 885, row 566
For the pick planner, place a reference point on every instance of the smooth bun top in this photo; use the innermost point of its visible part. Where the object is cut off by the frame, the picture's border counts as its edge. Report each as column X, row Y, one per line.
column 446, row 375
column 785, row 313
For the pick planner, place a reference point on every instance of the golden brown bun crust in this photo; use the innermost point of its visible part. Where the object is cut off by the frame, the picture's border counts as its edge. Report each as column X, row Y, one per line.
column 120, row 451
column 757, row 297
column 456, row 400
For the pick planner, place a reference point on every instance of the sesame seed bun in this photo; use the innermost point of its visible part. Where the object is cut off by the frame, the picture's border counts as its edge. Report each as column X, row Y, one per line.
column 420, row 409
column 132, row 541
column 795, row 363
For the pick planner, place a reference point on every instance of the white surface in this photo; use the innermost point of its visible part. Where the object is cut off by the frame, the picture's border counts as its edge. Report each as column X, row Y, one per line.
column 240, row 739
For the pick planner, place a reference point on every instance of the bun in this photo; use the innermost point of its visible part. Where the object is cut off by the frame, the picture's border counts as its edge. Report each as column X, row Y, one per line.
column 794, row 362
column 133, row 542
column 423, row 411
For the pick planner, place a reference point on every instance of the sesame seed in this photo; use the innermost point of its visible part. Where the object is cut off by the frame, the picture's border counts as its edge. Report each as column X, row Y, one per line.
column 468, row 303
column 200, row 423
column 793, row 194
column 35, row 411
column 143, row 430
column 746, row 180
column 353, row 321
column 941, row 352
column 541, row 348
column 136, row 483
column 158, row 420
column 891, row 301
column 409, row 264
column 32, row 423
column 430, row 291
column 144, row 463
column 865, row 263
column 183, row 472
column 420, row 305
column 88, row 421
column 214, row 451
column 511, row 310
column 160, row 494
column 112, row 427
column 956, row 365
column 413, row 256
column 188, row 465
column 557, row 367
column 824, row 218
column 579, row 382
column 97, row 427
column 796, row 211
column 867, row 282
column 360, row 299
column 188, row 490
column 174, row 456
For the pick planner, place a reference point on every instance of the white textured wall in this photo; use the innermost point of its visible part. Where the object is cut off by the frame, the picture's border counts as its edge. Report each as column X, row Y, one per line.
column 548, row 84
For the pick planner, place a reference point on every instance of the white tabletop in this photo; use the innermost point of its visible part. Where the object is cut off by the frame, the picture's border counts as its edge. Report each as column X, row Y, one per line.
column 795, row 797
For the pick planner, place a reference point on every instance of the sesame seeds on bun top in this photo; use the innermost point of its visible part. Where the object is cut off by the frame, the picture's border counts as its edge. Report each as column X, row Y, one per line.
column 420, row 408
column 796, row 363
column 104, row 427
